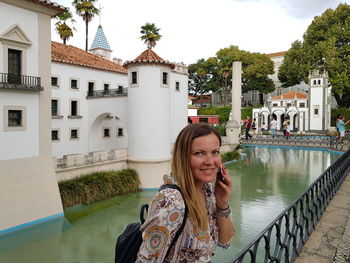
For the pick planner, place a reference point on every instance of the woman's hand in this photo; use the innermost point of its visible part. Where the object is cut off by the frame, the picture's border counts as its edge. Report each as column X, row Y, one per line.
column 223, row 189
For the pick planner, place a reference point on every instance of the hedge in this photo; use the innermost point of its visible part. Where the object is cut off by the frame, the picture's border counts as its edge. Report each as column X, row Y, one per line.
column 98, row 186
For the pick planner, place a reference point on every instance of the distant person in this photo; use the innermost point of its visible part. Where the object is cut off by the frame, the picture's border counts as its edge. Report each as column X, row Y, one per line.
column 336, row 125
column 287, row 129
column 263, row 127
column 248, row 125
column 273, row 127
column 284, row 126
column 254, row 126
column 342, row 128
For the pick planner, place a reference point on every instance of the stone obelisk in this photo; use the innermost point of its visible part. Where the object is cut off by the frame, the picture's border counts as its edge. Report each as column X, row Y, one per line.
column 233, row 127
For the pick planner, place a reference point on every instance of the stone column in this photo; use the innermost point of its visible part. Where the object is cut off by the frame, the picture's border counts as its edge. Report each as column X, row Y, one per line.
column 233, row 127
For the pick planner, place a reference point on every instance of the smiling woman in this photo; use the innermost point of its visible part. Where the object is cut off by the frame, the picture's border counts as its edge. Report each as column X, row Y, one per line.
column 195, row 164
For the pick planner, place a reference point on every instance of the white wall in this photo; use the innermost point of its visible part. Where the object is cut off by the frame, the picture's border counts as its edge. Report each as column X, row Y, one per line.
column 178, row 103
column 20, row 144
column 89, row 109
column 149, row 114
column 28, row 22
column 316, row 95
column 98, row 109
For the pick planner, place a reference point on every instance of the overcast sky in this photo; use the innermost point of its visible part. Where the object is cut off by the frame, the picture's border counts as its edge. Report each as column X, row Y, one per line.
column 194, row 29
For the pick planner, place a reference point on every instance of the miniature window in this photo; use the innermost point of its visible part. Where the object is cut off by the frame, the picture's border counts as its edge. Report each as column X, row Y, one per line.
column 74, row 134
column 54, row 135
column 134, row 77
column 74, row 108
column 177, row 86
column 205, row 120
column 54, row 81
column 74, row 84
column 120, row 89
column 91, row 88
column 106, row 132
column 15, row 118
column 120, row 132
column 105, row 87
column 165, row 78
column 54, row 107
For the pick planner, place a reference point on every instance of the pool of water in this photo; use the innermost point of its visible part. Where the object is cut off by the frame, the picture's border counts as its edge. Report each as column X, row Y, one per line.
column 265, row 183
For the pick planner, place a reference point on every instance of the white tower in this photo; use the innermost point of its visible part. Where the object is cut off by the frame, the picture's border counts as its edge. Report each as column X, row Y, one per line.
column 319, row 104
column 149, row 117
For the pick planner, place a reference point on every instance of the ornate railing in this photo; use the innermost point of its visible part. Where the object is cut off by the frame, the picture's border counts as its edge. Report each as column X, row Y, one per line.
column 12, row 81
column 284, row 238
column 313, row 141
column 108, row 93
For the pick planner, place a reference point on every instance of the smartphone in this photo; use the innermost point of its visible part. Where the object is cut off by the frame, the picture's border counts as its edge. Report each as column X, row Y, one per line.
column 221, row 177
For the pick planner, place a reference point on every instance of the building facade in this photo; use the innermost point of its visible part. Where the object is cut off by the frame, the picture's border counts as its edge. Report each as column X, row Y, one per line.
column 98, row 105
column 306, row 111
column 28, row 189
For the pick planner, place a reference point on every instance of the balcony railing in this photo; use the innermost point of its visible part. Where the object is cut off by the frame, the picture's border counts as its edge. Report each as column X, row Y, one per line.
column 107, row 93
column 22, row 82
column 284, row 238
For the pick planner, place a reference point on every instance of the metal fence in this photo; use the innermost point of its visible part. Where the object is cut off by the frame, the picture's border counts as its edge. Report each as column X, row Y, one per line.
column 108, row 93
column 284, row 238
column 19, row 79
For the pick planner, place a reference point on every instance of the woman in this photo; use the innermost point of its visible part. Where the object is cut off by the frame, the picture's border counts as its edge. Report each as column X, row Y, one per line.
column 195, row 163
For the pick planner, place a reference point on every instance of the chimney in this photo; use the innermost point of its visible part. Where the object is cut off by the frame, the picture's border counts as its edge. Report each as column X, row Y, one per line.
column 118, row 61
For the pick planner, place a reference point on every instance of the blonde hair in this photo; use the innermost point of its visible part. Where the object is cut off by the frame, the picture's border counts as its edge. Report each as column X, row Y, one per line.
column 181, row 170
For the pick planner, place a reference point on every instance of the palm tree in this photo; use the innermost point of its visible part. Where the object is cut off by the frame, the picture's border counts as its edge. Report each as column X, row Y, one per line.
column 150, row 34
column 62, row 28
column 87, row 10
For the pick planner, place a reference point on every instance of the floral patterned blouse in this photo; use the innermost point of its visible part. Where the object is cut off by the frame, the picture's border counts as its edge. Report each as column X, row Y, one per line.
column 165, row 217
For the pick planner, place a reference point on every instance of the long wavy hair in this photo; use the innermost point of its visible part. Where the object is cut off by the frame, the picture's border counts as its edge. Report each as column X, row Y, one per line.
column 181, row 170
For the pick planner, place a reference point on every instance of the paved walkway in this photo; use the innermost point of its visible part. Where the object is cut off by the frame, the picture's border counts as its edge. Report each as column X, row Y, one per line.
column 330, row 241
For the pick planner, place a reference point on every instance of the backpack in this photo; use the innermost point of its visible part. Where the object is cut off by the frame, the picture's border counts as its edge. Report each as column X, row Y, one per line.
column 129, row 242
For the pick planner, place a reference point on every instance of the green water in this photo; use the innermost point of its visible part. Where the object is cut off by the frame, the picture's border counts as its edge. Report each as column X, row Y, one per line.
column 265, row 183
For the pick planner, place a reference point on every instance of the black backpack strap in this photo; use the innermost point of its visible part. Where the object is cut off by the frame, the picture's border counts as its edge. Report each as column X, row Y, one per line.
column 179, row 231
column 142, row 212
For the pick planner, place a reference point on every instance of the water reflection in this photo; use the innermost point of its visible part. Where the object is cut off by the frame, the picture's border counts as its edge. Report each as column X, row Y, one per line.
column 265, row 183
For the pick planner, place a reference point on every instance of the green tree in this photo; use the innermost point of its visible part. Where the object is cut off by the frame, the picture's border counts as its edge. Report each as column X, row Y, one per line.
column 87, row 10
column 199, row 76
column 150, row 34
column 325, row 46
column 65, row 32
column 214, row 74
column 295, row 66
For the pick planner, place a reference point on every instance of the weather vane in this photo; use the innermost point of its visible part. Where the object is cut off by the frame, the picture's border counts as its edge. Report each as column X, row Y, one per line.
column 100, row 15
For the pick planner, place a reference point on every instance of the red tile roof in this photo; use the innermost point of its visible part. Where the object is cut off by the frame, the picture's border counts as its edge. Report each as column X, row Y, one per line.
column 76, row 56
column 291, row 95
column 277, row 54
column 50, row 4
column 149, row 57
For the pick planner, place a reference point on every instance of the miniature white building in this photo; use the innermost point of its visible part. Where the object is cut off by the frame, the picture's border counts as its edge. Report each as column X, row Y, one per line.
column 99, row 105
column 306, row 111
column 28, row 188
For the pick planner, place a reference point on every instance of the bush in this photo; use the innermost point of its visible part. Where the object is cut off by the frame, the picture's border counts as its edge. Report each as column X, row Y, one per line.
column 221, row 129
column 224, row 112
column 266, row 133
column 229, row 156
column 98, row 186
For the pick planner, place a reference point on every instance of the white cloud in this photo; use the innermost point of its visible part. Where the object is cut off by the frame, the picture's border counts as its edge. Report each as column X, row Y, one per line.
column 193, row 29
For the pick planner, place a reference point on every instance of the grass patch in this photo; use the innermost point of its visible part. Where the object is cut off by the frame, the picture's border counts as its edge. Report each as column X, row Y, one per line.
column 98, row 186
column 229, row 156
